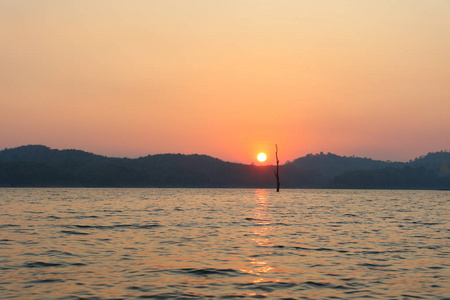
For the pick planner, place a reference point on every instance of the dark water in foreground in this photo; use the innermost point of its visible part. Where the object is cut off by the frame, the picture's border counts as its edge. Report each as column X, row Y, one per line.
column 224, row 244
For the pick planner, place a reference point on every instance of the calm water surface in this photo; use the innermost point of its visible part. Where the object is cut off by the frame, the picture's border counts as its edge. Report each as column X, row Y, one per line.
column 224, row 244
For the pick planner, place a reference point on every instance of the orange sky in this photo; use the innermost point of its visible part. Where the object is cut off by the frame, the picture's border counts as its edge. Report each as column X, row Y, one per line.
column 227, row 78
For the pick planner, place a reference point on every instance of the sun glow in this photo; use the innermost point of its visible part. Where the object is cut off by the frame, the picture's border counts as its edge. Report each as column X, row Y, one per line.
column 262, row 157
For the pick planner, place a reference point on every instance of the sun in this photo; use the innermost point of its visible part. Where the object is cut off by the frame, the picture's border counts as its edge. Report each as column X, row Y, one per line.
column 262, row 157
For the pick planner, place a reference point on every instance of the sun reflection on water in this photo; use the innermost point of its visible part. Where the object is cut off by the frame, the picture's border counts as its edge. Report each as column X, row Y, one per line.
column 262, row 231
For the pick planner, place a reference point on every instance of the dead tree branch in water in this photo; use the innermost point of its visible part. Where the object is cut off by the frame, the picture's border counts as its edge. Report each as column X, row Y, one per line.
column 277, row 174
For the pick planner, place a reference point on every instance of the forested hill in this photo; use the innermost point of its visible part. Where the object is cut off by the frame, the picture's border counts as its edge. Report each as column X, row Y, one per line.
column 330, row 165
column 40, row 166
column 436, row 161
column 39, row 153
column 430, row 171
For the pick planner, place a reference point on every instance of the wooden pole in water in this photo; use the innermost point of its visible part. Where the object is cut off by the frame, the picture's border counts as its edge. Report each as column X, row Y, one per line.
column 277, row 175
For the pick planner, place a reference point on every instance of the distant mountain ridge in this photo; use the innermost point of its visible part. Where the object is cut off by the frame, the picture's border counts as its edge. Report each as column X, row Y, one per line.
column 330, row 165
column 37, row 165
column 40, row 153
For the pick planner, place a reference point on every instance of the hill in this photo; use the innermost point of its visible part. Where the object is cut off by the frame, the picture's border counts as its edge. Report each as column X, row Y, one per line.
column 430, row 171
column 40, row 166
column 39, row 153
column 433, row 161
column 329, row 165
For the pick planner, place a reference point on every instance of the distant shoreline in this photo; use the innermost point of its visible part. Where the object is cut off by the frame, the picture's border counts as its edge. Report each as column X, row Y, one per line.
column 219, row 188
column 38, row 166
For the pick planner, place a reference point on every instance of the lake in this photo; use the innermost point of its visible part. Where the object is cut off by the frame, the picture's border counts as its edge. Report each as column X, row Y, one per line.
column 63, row 243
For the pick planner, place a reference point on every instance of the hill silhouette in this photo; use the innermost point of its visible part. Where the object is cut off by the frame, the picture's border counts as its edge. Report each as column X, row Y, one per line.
column 429, row 171
column 41, row 166
column 37, row 165
column 329, row 165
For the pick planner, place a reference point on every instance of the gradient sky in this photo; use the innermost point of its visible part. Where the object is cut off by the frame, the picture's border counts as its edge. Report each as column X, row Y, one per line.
column 227, row 78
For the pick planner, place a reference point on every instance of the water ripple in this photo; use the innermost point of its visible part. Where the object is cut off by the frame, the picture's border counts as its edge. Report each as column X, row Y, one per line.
column 208, row 271
column 223, row 244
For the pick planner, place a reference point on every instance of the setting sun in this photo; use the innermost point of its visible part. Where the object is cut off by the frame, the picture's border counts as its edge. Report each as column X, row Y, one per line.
column 262, row 157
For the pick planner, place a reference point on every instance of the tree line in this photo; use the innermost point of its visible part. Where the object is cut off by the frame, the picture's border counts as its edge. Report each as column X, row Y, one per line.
column 40, row 166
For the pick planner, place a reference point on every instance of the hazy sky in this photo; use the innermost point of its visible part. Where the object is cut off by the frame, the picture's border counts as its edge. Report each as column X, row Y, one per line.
column 227, row 78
